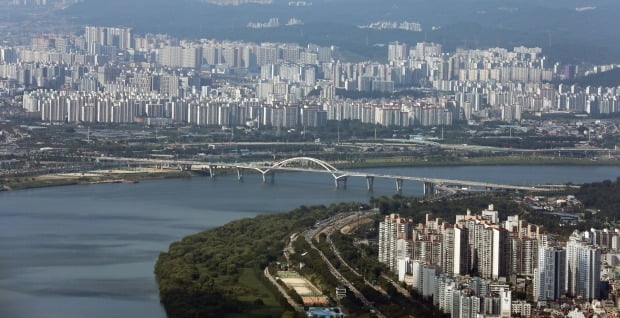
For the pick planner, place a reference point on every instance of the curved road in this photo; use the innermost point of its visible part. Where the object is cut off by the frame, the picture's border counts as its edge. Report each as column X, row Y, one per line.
column 342, row 261
column 329, row 225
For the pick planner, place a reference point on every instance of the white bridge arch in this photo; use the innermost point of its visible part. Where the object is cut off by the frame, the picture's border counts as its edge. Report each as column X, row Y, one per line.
column 328, row 167
column 431, row 185
column 285, row 165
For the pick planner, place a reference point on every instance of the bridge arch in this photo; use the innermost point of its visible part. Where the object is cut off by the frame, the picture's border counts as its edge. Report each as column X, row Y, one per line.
column 339, row 177
column 319, row 162
column 269, row 170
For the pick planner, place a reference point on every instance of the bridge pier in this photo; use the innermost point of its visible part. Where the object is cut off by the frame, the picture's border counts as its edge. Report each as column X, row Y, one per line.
column 211, row 172
column 271, row 175
column 399, row 185
column 304, row 164
column 370, row 181
column 429, row 188
column 338, row 180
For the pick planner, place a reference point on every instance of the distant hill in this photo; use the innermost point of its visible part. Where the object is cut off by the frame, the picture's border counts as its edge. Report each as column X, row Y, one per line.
column 605, row 79
column 565, row 33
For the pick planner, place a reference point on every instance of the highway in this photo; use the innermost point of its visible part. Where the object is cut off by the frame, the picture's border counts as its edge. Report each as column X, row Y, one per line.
column 326, row 226
column 467, row 147
column 338, row 227
column 329, row 230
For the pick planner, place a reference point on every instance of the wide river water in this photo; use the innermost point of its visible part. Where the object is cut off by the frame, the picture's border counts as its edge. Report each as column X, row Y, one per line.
column 89, row 250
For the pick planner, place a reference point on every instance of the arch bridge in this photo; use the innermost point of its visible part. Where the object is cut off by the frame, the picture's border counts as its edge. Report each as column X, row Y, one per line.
column 300, row 164
column 314, row 165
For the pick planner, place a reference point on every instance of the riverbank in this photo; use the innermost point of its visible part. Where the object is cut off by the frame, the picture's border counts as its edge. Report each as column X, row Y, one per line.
column 91, row 177
column 203, row 274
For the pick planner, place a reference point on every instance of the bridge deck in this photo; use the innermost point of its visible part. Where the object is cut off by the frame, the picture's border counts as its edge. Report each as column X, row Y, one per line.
column 328, row 169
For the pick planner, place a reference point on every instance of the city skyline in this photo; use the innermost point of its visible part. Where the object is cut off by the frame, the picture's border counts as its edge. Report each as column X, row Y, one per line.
column 449, row 159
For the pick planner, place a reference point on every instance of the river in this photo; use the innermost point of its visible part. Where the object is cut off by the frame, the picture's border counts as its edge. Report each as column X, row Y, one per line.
column 89, row 250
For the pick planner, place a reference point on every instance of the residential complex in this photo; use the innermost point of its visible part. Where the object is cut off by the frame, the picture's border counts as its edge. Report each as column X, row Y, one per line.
column 471, row 267
column 92, row 77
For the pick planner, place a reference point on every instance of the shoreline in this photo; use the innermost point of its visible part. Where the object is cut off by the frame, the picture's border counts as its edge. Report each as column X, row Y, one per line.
column 58, row 180
column 44, row 181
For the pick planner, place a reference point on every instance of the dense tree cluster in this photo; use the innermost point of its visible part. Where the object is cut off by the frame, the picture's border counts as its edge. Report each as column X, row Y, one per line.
column 603, row 196
column 200, row 275
column 447, row 208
